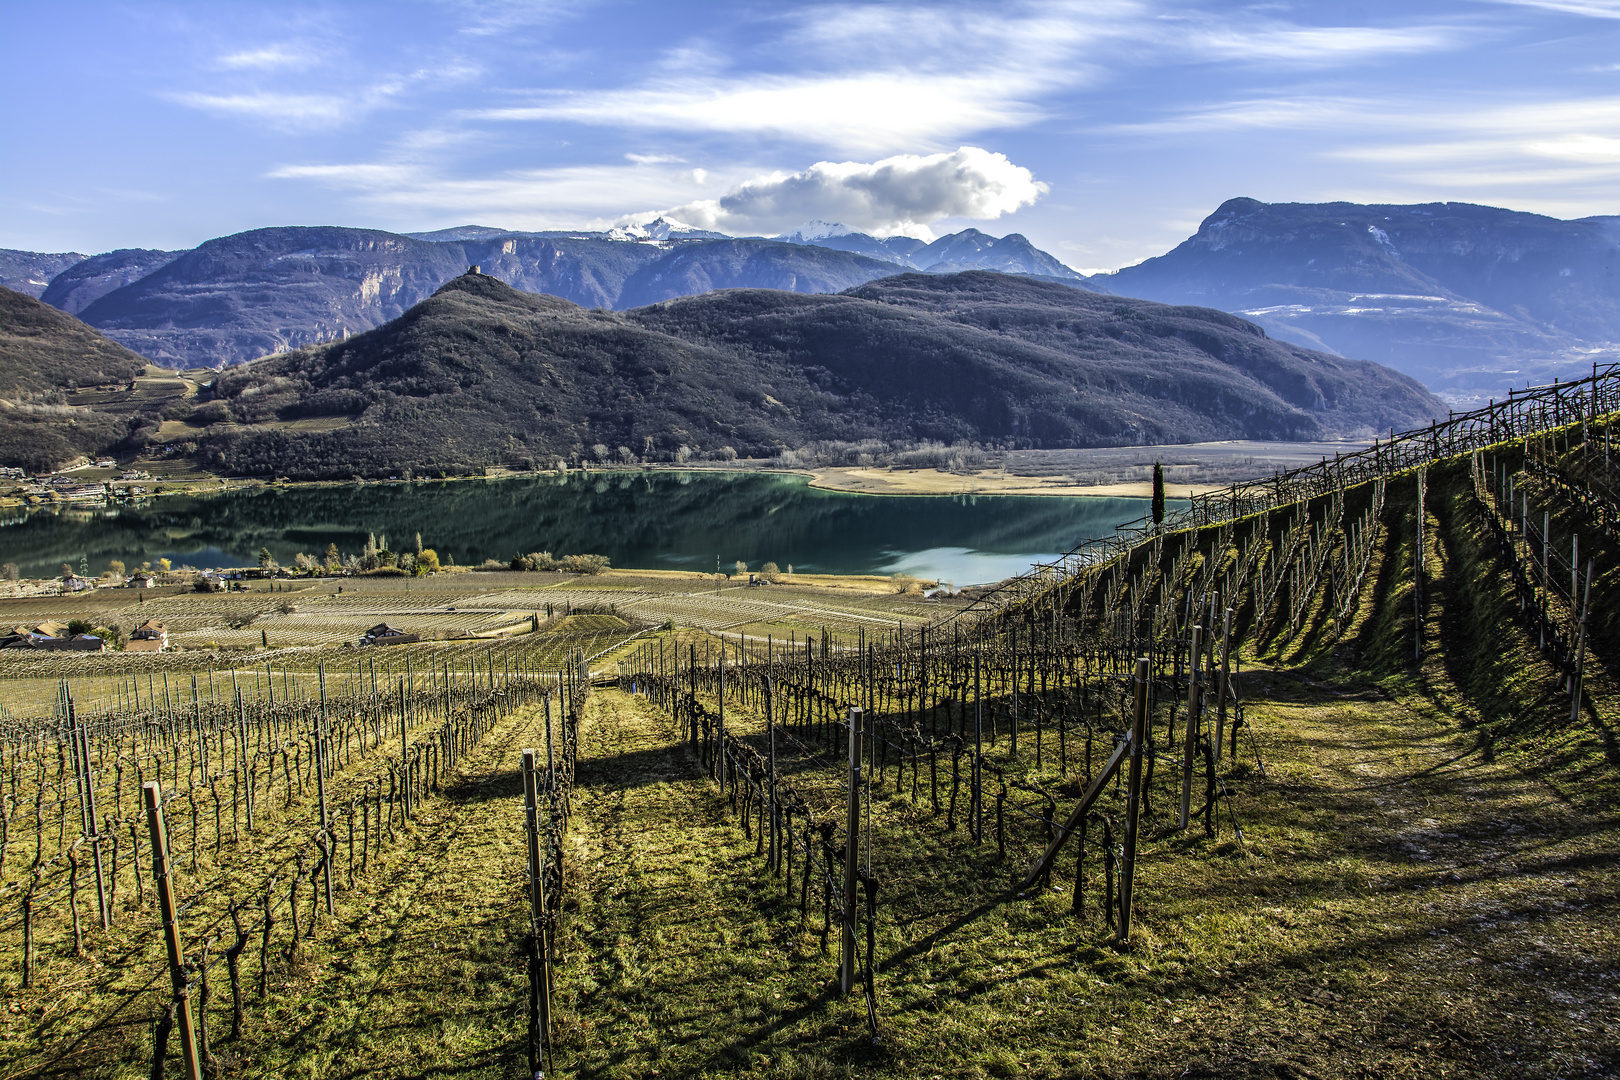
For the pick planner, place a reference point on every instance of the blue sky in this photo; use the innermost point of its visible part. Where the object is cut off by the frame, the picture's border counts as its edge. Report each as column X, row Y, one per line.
column 1104, row 130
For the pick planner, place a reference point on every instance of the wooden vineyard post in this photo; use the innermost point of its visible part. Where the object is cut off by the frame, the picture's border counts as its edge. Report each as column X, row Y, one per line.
column 1578, row 678
column 1133, row 801
column 852, row 848
column 1194, row 707
column 1225, row 676
column 978, row 754
column 404, row 747
column 771, row 860
column 153, row 799
column 539, row 952
column 321, row 751
column 1417, row 566
column 721, row 718
column 81, row 753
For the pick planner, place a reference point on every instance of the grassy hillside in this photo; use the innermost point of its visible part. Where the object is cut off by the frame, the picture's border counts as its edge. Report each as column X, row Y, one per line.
column 481, row 373
column 43, row 353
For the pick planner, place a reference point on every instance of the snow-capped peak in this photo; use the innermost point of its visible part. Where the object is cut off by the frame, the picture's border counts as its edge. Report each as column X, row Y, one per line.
column 815, row 230
column 661, row 228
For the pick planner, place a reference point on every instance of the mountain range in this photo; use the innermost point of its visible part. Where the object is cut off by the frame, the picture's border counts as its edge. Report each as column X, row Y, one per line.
column 1468, row 299
column 253, row 294
column 482, row 374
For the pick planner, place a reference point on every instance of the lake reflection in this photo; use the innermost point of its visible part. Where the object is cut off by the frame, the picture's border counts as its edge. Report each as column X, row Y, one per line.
column 655, row 520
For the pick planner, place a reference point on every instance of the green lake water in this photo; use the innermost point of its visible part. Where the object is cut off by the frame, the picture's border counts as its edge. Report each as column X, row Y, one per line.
column 652, row 520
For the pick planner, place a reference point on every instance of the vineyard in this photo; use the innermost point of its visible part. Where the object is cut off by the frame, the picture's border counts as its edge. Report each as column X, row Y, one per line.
column 1314, row 779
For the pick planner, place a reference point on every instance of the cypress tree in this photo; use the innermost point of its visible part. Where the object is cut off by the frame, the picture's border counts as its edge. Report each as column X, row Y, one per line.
column 1158, row 495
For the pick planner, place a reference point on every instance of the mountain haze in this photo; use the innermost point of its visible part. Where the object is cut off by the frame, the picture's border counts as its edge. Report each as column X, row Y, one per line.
column 1469, row 299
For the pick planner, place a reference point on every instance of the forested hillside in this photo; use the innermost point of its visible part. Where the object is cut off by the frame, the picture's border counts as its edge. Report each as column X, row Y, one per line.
column 481, row 374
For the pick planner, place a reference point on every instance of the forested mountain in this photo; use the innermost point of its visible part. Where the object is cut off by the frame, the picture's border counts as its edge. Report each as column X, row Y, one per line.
column 43, row 350
column 1469, row 299
column 44, row 354
column 482, row 374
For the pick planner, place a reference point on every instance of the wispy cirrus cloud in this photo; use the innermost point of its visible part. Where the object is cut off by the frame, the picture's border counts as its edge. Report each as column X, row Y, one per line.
column 267, row 57
column 1596, row 9
column 566, row 197
column 963, row 71
column 295, row 111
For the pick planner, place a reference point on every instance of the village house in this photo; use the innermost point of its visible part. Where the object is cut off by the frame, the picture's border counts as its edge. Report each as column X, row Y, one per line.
column 383, row 634
column 150, row 636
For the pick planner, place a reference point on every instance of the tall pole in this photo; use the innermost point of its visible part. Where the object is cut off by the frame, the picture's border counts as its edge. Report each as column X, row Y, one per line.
column 328, row 847
column 852, row 847
column 153, row 799
column 978, row 752
column 404, row 747
column 540, row 973
column 1133, row 802
column 774, row 856
column 1225, row 675
column 1194, row 707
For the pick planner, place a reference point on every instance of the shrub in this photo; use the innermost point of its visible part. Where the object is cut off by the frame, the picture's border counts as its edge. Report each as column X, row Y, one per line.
column 535, row 560
column 584, row 564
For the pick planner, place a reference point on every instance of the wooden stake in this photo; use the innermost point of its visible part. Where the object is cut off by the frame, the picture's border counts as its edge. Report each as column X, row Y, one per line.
column 153, row 799
column 1133, row 801
column 852, row 846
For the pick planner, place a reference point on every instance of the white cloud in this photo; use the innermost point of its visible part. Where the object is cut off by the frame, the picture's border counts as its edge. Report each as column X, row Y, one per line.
column 1597, row 9
column 571, row 197
column 857, row 111
column 1309, row 45
column 901, row 194
column 874, row 78
column 292, row 111
column 268, row 56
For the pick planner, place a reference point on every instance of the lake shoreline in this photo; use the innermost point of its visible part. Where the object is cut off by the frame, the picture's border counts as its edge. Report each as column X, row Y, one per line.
column 1097, row 472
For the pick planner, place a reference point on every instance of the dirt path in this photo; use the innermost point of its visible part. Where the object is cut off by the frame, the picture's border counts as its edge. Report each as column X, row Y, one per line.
column 421, row 974
column 685, row 958
column 1448, row 908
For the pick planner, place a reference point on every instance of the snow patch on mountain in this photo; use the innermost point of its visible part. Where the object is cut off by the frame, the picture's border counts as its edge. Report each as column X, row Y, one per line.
column 661, row 229
column 815, row 230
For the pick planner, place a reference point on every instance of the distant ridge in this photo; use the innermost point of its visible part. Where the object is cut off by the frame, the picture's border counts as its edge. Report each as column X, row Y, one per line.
column 480, row 374
column 258, row 293
column 1469, row 299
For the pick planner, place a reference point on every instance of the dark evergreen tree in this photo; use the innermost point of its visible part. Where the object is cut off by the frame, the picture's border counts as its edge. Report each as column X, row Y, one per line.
column 1158, row 495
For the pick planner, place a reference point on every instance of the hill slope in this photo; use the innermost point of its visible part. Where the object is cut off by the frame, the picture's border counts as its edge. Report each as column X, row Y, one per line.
column 43, row 349
column 1469, row 299
column 482, row 374
column 42, row 354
